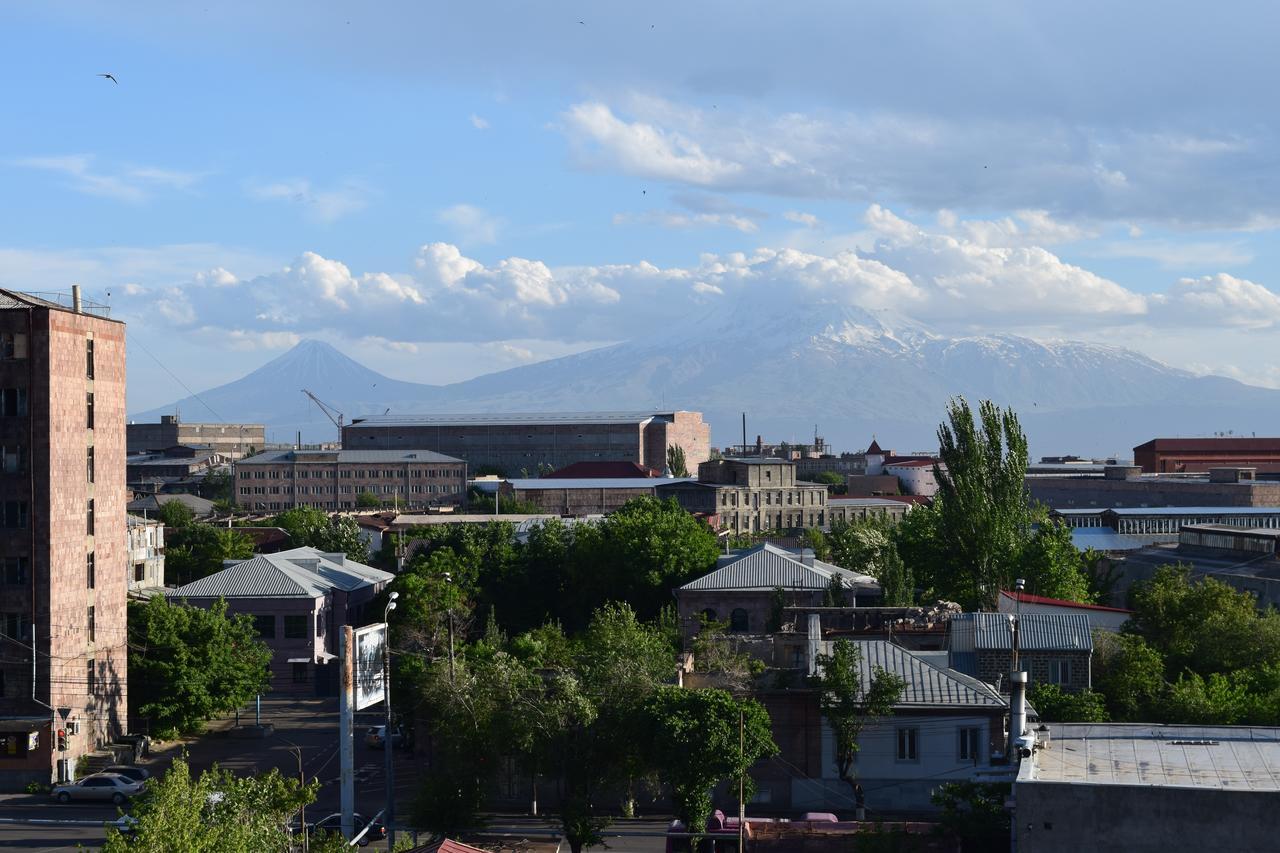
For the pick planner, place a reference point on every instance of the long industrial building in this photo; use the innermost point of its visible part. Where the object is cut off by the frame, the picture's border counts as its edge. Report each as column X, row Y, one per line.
column 527, row 444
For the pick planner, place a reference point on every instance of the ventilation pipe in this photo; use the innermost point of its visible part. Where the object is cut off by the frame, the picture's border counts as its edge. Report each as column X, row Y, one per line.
column 814, row 641
column 75, row 298
column 1017, row 710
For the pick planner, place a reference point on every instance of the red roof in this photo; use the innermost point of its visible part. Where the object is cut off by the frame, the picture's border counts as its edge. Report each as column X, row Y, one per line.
column 598, row 470
column 874, row 447
column 448, row 845
column 1028, row 598
column 1208, row 445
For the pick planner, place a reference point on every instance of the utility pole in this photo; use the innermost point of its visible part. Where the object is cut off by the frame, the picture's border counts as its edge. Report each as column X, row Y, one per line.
column 389, row 740
column 742, row 754
column 346, row 756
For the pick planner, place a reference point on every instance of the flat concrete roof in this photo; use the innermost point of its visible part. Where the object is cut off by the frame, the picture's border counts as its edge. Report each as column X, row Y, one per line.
column 1228, row 758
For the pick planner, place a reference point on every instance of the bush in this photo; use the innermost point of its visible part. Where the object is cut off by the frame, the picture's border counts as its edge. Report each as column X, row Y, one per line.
column 1057, row 705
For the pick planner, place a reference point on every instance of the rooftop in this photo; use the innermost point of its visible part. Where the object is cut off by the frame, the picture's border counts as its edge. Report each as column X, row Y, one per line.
column 297, row 573
column 927, row 684
column 1028, row 598
column 886, row 502
column 598, row 483
column 767, row 567
column 1210, row 444
column 1036, row 632
column 1232, row 758
column 276, row 457
column 512, row 418
column 593, row 470
column 56, row 300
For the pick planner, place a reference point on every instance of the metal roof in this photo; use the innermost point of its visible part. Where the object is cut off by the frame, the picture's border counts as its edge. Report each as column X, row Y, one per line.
column 1106, row 539
column 927, row 684
column 1231, row 758
column 346, row 456
column 1037, row 632
column 767, row 567
column 298, row 573
column 863, row 502
column 1194, row 510
column 598, row 483
column 511, row 418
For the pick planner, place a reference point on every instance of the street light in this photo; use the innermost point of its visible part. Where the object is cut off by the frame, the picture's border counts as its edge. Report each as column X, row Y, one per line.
column 387, row 737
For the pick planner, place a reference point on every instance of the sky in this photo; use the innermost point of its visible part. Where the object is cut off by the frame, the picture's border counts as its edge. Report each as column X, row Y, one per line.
column 447, row 189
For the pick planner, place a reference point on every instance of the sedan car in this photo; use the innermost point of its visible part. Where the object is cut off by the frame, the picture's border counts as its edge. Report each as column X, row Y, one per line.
column 333, row 824
column 99, row 786
column 128, row 771
column 375, row 737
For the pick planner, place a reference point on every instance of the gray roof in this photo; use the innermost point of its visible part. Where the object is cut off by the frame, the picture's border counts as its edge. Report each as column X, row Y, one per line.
column 1195, row 510
column 511, row 418
column 597, row 483
column 767, row 567
column 927, row 684
column 1037, row 632
column 1106, row 539
column 298, row 573
column 1232, row 758
column 152, row 503
column 346, row 456
column 865, row 502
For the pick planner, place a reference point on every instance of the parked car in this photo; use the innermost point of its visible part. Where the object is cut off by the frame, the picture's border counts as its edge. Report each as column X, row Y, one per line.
column 375, row 737
column 99, row 786
column 128, row 771
column 333, row 824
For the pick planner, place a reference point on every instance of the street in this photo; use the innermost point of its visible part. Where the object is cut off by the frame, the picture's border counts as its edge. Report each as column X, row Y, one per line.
column 302, row 726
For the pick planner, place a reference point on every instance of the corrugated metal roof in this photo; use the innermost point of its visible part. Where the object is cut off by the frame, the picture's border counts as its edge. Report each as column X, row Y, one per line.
column 1195, row 510
column 598, row 483
column 863, row 502
column 768, row 567
column 511, row 418
column 1037, row 632
column 347, row 456
column 298, row 573
column 927, row 684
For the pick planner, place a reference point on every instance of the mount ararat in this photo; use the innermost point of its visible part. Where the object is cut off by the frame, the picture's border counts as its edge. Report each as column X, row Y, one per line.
column 848, row 372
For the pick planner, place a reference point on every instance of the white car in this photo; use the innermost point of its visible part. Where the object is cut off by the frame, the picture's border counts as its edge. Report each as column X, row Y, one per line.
column 99, row 786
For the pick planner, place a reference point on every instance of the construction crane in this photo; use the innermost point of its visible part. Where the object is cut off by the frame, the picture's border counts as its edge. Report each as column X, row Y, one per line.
column 329, row 411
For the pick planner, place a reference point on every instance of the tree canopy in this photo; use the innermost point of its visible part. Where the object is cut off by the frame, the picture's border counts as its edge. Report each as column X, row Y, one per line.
column 847, row 706
column 315, row 528
column 194, row 550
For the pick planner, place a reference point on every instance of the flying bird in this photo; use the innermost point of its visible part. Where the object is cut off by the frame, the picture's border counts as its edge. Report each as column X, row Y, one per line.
column 111, row 78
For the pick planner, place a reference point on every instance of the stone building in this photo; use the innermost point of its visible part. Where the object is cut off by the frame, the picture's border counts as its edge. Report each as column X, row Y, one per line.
column 1052, row 648
column 334, row 479
column 1127, row 486
column 230, row 440
column 62, row 533
column 849, row 510
column 751, row 495
column 146, row 554
column 581, row 497
column 521, row 444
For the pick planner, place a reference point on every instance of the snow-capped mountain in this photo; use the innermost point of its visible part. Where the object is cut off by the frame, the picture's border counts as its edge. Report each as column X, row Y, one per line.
column 849, row 372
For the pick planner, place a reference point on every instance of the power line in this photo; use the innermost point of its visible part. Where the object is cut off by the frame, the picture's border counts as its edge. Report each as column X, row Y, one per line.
column 175, row 378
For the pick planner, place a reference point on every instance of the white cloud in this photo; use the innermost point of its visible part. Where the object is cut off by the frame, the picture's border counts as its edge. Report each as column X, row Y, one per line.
column 808, row 220
column 1024, row 228
column 130, row 183
column 1220, row 300
column 681, row 220
column 245, row 341
column 643, row 148
column 1174, row 255
column 479, row 123
column 471, row 225
column 323, row 205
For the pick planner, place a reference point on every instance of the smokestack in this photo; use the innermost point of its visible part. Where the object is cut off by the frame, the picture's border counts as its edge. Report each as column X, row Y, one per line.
column 75, row 298
column 1017, row 709
column 744, row 433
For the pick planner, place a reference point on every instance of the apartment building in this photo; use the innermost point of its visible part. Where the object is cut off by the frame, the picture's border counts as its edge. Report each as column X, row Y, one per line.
column 750, row 495
column 335, row 479
column 63, row 559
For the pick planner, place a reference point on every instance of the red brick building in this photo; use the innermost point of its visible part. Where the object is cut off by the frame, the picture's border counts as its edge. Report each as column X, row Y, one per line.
column 1198, row 455
column 63, row 537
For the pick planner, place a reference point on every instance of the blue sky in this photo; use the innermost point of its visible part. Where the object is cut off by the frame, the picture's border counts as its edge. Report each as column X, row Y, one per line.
column 447, row 189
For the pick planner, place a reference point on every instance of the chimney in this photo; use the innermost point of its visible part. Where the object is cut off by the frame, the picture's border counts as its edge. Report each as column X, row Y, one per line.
column 1017, row 709
column 75, row 298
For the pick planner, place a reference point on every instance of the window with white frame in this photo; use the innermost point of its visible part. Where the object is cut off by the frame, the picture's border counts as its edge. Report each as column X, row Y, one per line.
column 908, row 738
column 1060, row 671
column 967, row 749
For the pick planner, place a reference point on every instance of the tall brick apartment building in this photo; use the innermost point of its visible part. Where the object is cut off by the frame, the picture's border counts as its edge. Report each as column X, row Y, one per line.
column 63, row 552
column 516, row 443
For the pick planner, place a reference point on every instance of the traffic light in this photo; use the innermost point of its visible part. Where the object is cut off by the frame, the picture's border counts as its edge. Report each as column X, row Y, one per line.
column 62, row 740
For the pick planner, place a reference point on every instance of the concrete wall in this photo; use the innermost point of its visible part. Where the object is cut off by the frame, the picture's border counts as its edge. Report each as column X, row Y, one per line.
column 1052, row 817
column 232, row 440
column 580, row 502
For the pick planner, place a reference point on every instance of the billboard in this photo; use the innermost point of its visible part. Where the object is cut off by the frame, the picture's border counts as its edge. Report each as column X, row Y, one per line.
column 371, row 642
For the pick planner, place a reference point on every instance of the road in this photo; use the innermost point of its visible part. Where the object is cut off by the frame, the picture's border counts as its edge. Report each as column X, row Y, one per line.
column 307, row 727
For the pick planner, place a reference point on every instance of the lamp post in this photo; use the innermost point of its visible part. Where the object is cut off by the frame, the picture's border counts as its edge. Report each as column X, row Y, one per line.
column 387, row 740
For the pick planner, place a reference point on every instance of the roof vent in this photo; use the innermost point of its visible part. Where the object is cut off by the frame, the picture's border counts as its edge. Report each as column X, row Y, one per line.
column 1194, row 742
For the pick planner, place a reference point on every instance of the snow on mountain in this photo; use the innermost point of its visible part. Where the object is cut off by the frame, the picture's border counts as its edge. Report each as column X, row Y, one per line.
column 848, row 371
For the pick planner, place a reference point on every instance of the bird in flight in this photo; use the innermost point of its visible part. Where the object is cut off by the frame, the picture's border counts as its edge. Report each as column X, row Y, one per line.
column 111, row 78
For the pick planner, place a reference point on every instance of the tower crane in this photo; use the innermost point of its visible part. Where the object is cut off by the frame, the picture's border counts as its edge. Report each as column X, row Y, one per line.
column 329, row 411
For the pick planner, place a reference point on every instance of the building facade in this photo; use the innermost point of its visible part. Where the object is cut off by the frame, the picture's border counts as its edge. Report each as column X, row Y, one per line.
column 752, row 495
column 1127, row 486
column 146, row 554
column 62, row 534
column 850, row 510
column 1053, row 648
column 1191, row 455
column 336, row 479
column 577, row 498
column 521, row 444
column 233, row 441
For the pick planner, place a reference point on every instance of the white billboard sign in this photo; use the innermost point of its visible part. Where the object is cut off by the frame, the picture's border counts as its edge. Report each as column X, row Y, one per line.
column 370, row 686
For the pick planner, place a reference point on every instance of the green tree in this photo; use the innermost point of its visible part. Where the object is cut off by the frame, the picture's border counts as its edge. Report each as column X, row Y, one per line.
column 176, row 515
column 198, row 550
column 849, row 702
column 1051, row 565
column 1060, row 706
column 218, row 486
column 368, row 500
column 835, row 483
column 677, row 464
column 975, row 813
column 190, row 664
column 1130, row 674
column 692, row 740
column 869, row 546
column 816, row 540
column 315, row 528
column 214, row 813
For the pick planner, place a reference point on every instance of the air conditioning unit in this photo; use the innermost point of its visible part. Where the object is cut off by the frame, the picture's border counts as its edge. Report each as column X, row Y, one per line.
column 73, row 727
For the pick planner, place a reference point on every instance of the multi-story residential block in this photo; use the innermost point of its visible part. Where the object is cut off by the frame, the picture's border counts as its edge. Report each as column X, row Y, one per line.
column 751, row 495
column 518, row 444
column 63, row 558
column 335, row 479
column 146, row 554
column 233, row 441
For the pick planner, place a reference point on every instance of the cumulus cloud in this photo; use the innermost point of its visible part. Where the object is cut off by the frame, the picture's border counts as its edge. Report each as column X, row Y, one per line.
column 320, row 204
column 126, row 183
column 1220, row 300
column 1023, row 228
column 1180, row 255
column 471, row 225
column 606, row 140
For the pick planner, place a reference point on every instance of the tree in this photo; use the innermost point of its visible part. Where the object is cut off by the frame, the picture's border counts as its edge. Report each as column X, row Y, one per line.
column 1129, row 673
column 1051, row 565
column 692, row 739
column 189, row 664
column 835, row 482
column 975, row 813
column 1053, row 703
column 676, row 462
column 368, row 500
column 214, row 813
column 176, row 514
column 848, row 704
column 315, row 528
column 218, row 486
column 198, row 550
column 868, row 545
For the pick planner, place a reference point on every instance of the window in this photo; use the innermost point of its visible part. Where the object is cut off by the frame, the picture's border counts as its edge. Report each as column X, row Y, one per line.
column 16, row 625
column 13, row 571
column 90, row 630
column 139, row 572
column 88, row 362
column 88, row 407
column 13, row 458
column 13, row 345
column 968, row 747
column 89, row 569
column 738, row 620
column 89, row 460
column 907, row 744
column 91, row 678
column 1060, row 671
column 13, row 402
column 708, row 615
column 89, row 518
column 266, row 626
column 13, row 514
column 299, row 671
column 295, row 627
